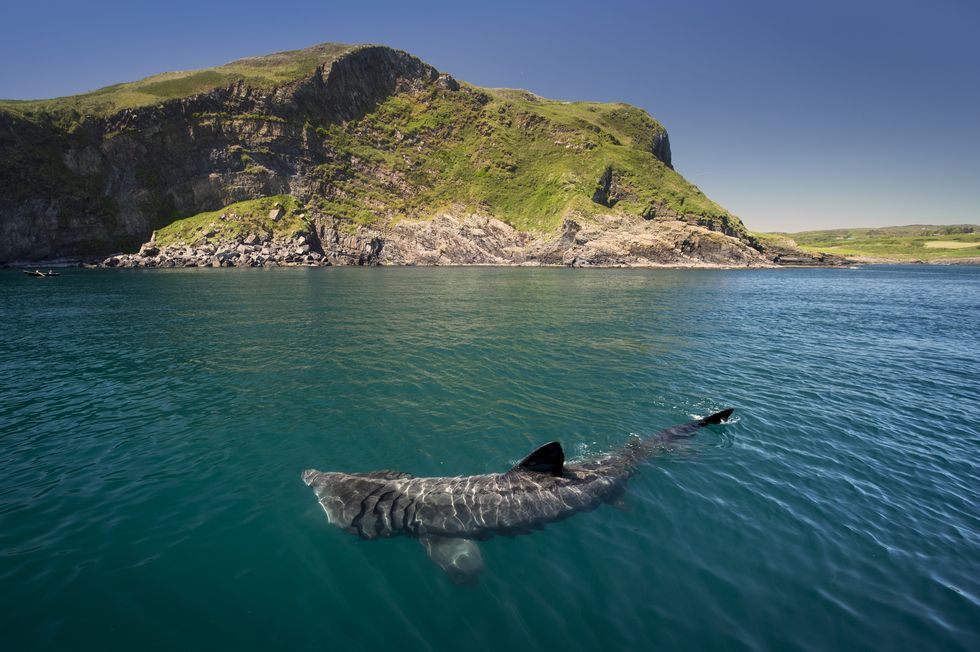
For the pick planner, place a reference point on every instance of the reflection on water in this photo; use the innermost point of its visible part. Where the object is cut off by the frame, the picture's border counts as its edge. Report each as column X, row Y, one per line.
column 153, row 426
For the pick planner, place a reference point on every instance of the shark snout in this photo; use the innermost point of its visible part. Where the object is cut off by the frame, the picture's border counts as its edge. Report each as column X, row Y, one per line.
column 309, row 476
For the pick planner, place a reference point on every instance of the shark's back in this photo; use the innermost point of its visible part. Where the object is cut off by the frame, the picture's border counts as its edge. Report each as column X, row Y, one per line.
column 388, row 503
column 449, row 515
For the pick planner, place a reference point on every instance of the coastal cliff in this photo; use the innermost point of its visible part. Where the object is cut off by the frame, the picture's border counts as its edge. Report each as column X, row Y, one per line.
column 348, row 155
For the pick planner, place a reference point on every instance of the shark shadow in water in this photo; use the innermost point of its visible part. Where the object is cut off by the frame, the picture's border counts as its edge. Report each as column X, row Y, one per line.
column 449, row 515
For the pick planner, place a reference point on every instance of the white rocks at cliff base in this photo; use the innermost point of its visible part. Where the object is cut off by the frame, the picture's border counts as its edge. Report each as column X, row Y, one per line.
column 605, row 241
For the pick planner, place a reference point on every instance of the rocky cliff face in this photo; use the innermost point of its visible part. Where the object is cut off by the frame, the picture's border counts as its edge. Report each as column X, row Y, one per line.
column 73, row 188
column 394, row 162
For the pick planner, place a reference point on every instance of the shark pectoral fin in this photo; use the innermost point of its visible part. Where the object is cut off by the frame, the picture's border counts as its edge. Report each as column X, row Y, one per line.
column 621, row 504
column 460, row 558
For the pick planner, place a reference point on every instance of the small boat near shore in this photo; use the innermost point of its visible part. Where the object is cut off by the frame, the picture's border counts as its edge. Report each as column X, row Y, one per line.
column 38, row 273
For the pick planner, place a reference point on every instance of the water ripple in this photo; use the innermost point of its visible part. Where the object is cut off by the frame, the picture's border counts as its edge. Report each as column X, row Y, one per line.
column 153, row 426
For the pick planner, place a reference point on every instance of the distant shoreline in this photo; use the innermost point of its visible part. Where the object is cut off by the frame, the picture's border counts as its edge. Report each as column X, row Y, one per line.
column 877, row 260
column 930, row 244
column 94, row 263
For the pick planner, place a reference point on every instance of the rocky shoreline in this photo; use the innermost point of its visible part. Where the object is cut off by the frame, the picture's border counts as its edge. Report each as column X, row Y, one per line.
column 352, row 153
column 607, row 241
column 456, row 239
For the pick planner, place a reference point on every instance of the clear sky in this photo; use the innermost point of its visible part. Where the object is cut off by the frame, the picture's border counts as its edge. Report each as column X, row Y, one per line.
column 793, row 115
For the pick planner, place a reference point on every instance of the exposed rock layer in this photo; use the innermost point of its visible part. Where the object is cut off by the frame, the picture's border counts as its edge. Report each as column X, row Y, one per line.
column 73, row 185
column 469, row 240
column 107, row 183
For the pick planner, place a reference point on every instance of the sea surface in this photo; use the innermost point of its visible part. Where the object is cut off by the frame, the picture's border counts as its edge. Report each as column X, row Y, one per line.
column 154, row 425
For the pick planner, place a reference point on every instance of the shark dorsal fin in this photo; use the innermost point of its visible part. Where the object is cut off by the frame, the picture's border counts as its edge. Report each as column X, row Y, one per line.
column 549, row 458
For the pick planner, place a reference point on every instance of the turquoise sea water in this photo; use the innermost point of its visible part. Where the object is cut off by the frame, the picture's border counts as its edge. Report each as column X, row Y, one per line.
column 153, row 426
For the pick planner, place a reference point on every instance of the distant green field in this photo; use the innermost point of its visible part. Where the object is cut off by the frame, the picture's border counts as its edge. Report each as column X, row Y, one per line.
column 914, row 242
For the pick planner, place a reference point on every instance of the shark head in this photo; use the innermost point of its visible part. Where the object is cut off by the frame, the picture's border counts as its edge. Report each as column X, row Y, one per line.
column 329, row 488
column 345, row 497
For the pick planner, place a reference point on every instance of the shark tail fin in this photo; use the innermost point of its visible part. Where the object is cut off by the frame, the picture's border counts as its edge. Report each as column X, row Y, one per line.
column 686, row 430
column 717, row 417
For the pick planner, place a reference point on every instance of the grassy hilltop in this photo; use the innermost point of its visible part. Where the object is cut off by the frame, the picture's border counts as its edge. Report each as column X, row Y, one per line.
column 257, row 72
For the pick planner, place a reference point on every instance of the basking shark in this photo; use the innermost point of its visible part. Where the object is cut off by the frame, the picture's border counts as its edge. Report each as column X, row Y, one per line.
column 449, row 515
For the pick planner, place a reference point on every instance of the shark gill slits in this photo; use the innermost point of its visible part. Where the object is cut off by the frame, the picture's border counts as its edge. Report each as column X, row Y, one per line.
column 400, row 511
column 382, row 521
column 409, row 519
column 392, row 522
column 357, row 520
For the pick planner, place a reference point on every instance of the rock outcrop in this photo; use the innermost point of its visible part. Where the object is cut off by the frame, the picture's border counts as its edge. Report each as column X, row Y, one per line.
column 392, row 161
column 611, row 241
column 105, row 182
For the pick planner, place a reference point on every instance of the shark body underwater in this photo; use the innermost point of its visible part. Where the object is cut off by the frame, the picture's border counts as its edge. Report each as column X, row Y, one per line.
column 448, row 515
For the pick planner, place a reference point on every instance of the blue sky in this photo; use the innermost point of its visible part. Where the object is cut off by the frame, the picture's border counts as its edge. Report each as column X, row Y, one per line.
column 794, row 115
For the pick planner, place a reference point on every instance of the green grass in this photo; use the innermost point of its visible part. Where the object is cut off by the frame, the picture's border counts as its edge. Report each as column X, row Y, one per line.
column 898, row 243
column 244, row 217
column 259, row 72
column 774, row 239
column 527, row 160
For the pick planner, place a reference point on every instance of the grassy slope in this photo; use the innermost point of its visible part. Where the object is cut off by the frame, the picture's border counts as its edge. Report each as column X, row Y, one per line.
column 899, row 242
column 241, row 218
column 525, row 159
